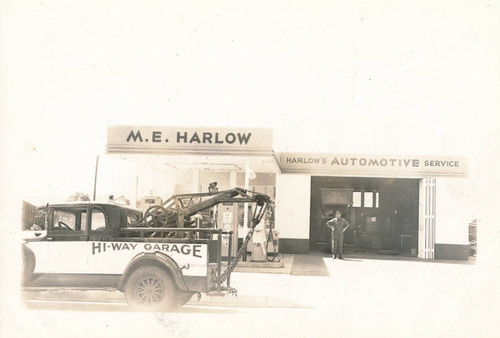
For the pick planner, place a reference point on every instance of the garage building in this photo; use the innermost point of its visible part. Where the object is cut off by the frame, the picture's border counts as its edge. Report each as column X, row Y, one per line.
column 393, row 203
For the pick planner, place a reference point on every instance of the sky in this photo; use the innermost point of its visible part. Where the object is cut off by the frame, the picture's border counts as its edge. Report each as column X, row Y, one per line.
column 366, row 77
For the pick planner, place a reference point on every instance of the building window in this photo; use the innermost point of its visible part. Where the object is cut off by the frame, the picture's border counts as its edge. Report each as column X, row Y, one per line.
column 368, row 203
column 365, row 199
column 356, row 199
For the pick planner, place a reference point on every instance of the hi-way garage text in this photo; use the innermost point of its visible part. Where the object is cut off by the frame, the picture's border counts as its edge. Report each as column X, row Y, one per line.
column 184, row 249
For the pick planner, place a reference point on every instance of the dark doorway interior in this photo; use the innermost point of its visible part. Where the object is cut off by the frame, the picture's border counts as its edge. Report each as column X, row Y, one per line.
column 383, row 213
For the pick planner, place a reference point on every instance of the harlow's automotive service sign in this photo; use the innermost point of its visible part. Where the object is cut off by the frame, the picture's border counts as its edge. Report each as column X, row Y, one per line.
column 147, row 139
column 373, row 165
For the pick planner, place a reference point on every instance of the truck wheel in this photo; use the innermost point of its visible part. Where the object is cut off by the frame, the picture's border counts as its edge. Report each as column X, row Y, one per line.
column 150, row 288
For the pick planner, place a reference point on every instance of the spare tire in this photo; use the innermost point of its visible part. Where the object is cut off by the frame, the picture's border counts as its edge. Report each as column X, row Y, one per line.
column 29, row 262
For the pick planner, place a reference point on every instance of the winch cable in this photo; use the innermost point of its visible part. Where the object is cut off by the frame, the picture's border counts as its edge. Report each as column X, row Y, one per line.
column 270, row 238
column 255, row 220
column 236, row 258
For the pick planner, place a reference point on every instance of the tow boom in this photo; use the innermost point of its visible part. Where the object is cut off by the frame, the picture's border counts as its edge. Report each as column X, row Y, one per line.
column 177, row 210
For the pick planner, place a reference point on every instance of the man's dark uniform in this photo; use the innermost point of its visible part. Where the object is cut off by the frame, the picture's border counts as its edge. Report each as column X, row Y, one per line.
column 338, row 226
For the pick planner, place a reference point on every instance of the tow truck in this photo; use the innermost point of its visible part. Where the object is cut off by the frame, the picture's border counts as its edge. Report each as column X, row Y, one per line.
column 159, row 259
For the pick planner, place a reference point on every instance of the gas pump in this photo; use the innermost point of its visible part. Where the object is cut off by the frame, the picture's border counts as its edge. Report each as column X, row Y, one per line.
column 148, row 201
column 273, row 246
column 227, row 220
column 258, row 248
column 265, row 240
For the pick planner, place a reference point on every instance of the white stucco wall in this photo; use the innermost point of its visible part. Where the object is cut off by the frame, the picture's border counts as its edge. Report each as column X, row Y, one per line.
column 453, row 210
column 293, row 204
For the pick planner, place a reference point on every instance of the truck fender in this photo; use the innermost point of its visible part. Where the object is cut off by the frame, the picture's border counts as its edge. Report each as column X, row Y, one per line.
column 158, row 259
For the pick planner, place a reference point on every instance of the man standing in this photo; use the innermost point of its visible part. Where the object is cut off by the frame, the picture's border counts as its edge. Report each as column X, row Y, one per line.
column 338, row 225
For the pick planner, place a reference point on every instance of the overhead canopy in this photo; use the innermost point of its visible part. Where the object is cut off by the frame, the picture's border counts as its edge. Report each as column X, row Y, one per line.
column 228, row 149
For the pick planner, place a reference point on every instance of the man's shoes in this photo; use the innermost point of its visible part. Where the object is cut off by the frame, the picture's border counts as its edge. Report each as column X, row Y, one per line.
column 334, row 256
column 341, row 257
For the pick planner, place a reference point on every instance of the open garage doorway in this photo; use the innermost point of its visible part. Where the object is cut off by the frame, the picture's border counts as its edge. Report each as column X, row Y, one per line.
column 382, row 212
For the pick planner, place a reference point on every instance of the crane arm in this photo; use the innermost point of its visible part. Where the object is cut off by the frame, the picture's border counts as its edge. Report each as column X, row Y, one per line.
column 174, row 210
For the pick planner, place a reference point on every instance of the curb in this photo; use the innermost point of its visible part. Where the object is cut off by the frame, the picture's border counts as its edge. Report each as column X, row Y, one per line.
column 101, row 296
column 105, row 296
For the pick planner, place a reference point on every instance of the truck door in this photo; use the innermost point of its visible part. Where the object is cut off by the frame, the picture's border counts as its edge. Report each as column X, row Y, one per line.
column 67, row 240
column 106, row 253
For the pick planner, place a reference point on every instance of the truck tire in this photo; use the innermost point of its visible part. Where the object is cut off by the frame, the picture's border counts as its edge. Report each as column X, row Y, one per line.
column 150, row 288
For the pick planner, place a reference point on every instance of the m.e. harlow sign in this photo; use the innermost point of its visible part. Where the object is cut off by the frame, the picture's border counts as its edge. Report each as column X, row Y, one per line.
column 148, row 139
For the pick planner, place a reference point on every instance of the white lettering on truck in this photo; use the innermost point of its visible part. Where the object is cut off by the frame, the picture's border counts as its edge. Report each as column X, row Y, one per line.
column 184, row 249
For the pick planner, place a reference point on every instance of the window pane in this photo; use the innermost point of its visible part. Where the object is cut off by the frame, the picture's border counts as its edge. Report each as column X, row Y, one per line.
column 98, row 220
column 368, row 200
column 64, row 220
column 133, row 218
column 356, row 199
column 84, row 221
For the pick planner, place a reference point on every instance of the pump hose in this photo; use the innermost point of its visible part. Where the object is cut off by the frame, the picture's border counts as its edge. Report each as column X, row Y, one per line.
column 236, row 258
column 270, row 238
